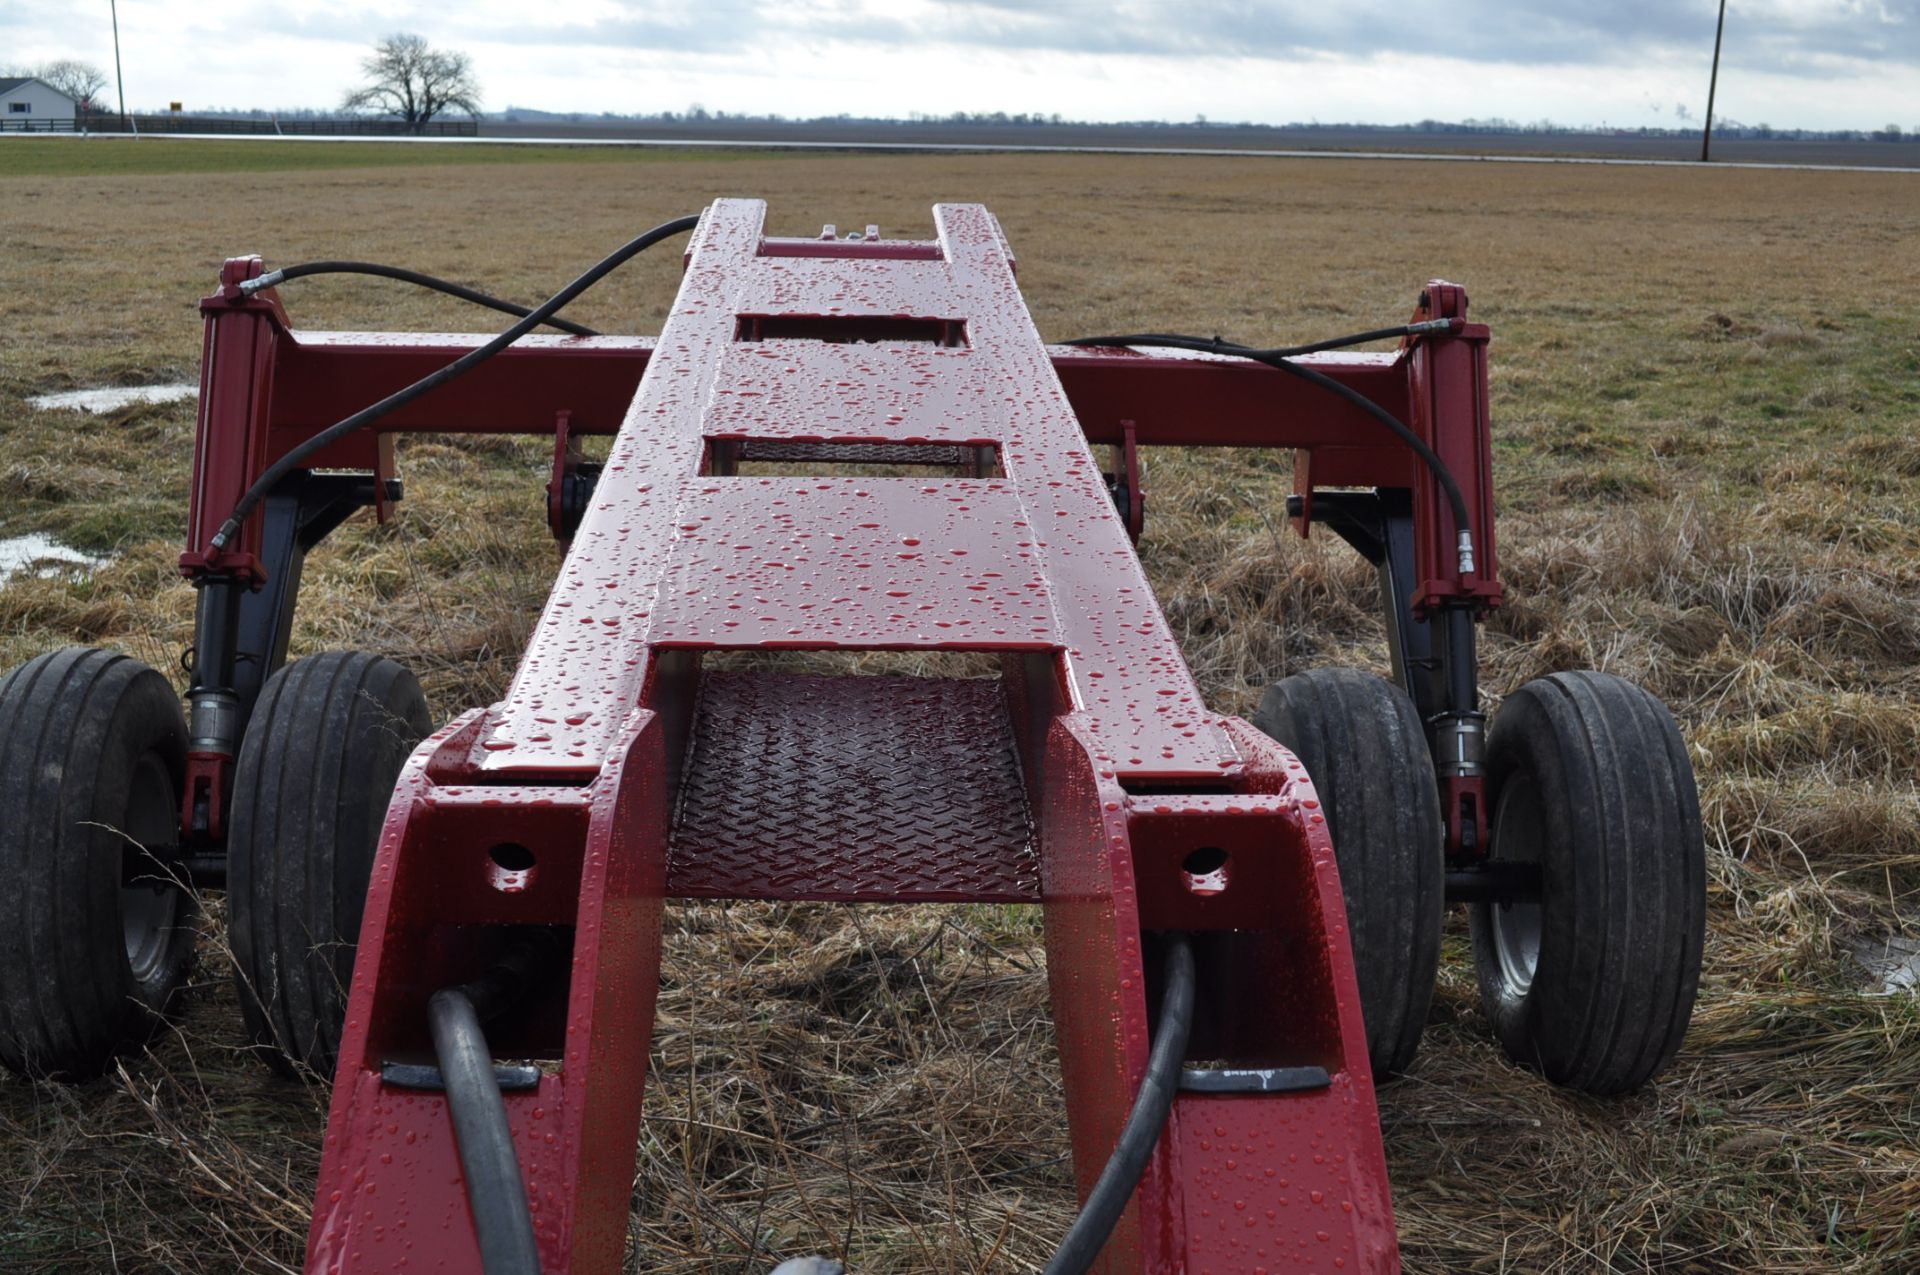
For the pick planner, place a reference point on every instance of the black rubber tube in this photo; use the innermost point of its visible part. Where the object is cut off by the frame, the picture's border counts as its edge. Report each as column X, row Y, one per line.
column 298, row 456
column 496, row 1191
column 1280, row 358
column 1151, row 1106
column 307, row 269
column 1280, row 352
column 1428, row 457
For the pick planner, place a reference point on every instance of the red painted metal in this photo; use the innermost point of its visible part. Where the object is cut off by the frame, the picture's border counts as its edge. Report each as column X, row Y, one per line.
column 662, row 524
column 237, row 366
column 1447, row 381
column 1173, row 398
column 390, row 1196
column 634, row 761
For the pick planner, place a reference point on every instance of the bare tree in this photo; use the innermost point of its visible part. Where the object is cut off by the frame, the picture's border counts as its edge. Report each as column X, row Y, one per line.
column 413, row 82
column 78, row 80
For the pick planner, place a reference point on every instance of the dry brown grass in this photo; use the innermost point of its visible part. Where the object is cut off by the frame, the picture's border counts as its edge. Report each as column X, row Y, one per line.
column 1707, row 392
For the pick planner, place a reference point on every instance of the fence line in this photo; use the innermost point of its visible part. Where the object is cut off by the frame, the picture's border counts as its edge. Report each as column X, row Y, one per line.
column 203, row 124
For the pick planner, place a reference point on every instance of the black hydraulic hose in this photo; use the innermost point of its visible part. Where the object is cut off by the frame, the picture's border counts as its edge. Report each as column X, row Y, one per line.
column 1282, row 359
column 273, row 278
column 496, row 1191
column 332, row 434
column 1427, row 455
column 1219, row 346
column 1151, row 1106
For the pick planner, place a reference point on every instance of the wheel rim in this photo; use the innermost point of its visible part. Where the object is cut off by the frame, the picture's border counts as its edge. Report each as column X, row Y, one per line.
column 1517, row 830
column 149, row 893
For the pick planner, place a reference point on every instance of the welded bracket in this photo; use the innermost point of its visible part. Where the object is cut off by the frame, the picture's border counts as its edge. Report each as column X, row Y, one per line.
column 570, row 489
column 1123, row 482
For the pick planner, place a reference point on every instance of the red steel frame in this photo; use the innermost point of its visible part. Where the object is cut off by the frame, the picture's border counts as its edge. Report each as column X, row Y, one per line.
column 595, row 761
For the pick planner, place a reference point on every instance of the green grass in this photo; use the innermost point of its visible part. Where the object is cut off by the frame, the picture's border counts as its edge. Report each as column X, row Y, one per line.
column 67, row 156
column 1783, row 397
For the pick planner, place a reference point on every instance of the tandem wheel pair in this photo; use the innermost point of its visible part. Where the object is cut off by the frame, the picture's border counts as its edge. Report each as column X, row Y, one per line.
column 1592, row 982
column 97, row 935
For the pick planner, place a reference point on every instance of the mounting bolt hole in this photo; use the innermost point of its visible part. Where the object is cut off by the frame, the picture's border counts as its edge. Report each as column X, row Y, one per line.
column 1205, row 871
column 511, row 868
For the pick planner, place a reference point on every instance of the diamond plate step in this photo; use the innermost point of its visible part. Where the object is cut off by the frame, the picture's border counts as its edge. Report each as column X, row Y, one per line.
column 849, row 788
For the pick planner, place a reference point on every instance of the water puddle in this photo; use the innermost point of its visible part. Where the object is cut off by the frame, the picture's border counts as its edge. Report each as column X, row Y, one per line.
column 109, row 398
column 40, row 555
column 1893, row 963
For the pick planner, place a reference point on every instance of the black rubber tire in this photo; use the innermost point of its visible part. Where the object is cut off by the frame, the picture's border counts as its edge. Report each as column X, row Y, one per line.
column 96, row 935
column 1594, row 985
column 317, row 767
column 1361, row 741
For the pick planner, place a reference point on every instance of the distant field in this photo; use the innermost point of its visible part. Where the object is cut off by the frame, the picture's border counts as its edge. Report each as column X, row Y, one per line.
column 1707, row 421
column 48, row 155
column 1328, row 138
column 60, row 155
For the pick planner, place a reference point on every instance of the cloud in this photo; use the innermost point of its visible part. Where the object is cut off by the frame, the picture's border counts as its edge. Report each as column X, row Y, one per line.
column 1793, row 36
column 1814, row 62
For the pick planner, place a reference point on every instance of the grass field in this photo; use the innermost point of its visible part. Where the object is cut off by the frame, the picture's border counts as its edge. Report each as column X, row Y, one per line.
column 1707, row 420
column 50, row 155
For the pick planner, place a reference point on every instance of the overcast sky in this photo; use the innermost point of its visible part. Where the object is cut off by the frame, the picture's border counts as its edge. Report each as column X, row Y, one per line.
column 1804, row 63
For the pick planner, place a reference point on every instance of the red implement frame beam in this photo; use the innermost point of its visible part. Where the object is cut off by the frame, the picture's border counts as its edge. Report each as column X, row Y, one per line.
column 1174, row 399
column 277, row 388
column 266, row 389
column 1106, row 770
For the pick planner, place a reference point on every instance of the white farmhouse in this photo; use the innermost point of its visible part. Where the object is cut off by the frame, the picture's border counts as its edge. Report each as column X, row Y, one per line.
column 27, row 103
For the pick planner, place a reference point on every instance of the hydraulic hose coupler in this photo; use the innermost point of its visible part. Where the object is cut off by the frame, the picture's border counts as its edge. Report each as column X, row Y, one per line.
column 1460, row 745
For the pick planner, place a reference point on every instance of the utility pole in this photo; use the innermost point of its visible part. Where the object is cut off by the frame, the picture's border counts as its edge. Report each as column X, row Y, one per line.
column 114, row 6
column 1713, row 82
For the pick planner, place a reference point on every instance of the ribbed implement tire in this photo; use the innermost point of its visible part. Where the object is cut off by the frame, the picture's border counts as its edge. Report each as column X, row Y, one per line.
column 96, row 935
column 1362, row 744
column 328, row 737
column 1594, row 986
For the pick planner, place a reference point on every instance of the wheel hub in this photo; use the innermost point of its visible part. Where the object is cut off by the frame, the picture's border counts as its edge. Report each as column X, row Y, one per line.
column 149, row 892
column 1517, row 832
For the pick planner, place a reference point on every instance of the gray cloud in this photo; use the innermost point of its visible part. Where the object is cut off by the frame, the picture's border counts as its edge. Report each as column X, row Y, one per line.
column 1807, row 40
column 1513, row 56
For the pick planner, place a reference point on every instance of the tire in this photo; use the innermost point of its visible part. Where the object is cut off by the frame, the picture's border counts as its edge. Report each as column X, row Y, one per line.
column 317, row 767
column 1362, row 744
column 1594, row 985
column 96, row 933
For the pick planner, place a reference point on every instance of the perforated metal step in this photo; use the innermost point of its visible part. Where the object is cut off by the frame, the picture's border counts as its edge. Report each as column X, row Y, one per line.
column 803, row 786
